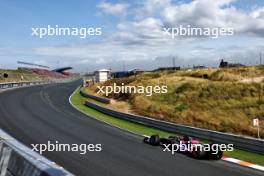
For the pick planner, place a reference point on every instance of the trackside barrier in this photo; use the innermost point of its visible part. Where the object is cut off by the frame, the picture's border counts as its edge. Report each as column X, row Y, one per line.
column 9, row 85
column 240, row 142
column 18, row 160
column 100, row 99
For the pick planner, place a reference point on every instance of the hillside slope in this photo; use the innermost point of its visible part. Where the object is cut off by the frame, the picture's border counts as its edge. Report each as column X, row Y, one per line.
column 18, row 75
column 217, row 99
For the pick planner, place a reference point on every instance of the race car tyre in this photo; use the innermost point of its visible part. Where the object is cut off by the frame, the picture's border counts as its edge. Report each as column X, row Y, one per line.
column 154, row 140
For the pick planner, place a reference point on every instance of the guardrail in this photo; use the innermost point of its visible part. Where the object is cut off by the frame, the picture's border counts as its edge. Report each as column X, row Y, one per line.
column 18, row 160
column 9, row 85
column 240, row 142
column 100, row 99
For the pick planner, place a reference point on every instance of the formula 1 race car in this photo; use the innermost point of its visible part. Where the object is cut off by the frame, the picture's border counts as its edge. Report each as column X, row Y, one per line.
column 187, row 145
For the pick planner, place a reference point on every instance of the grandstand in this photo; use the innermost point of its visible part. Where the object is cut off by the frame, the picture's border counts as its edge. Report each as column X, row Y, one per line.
column 44, row 71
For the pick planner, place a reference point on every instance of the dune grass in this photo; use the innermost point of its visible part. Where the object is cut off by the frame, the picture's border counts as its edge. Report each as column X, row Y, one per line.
column 214, row 99
column 17, row 75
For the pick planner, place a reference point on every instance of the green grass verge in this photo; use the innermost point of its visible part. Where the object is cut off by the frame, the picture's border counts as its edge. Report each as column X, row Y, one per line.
column 246, row 156
column 78, row 101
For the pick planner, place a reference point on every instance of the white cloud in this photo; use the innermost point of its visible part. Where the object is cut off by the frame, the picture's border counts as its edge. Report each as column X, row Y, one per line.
column 147, row 29
column 113, row 9
column 220, row 13
column 152, row 15
column 141, row 40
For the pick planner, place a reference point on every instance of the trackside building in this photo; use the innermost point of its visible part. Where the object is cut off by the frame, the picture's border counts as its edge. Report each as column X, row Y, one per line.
column 102, row 75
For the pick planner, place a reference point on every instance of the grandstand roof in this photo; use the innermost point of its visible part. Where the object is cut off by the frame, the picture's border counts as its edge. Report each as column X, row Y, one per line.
column 62, row 69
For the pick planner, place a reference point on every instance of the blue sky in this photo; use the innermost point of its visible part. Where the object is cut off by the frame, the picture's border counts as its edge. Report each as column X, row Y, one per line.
column 17, row 18
column 131, row 32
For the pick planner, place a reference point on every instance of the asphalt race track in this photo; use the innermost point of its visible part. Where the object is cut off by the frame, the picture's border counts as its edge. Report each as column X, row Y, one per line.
column 39, row 114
